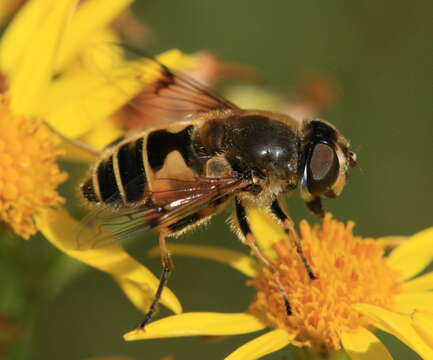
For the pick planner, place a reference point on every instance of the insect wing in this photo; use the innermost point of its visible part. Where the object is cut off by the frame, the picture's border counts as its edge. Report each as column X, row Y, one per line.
column 170, row 96
column 145, row 91
column 159, row 212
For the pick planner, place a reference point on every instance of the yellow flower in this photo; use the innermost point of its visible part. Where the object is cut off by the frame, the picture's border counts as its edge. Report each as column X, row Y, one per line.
column 29, row 174
column 43, row 38
column 28, row 150
column 358, row 290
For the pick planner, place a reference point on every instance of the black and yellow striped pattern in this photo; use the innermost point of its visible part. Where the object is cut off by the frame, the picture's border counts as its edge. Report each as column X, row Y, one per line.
column 119, row 178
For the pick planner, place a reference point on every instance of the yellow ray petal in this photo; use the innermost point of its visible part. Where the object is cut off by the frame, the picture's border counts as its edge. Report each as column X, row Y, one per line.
column 413, row 255
column 197, row 324
column 135, row 292
column 241, row 262
column 408, row 302
column 262, row 345
column 364, row 345
column 101, row 55
column 391, row 242
column 398, row 325
column 19, row 32
column 92, row 16
column 100, row 136
column 93, row 97
column 422, row 321
column 60, row 229
column 30, row 80
column 266, row 231
column 420, row 283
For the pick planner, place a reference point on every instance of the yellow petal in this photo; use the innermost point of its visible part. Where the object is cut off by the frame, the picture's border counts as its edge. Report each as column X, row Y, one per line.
column 422, row 321
column 93, row 97
column 408, row 302
column 135, row 292
column 100, row 136
column 101, row 55
column 364, row 345
column 266, row 231
column 197, row 324
column 92, row 16
column 391, row 242
column 420, row 283
column 30, row 79
column 413, row 255
column 241, row 262
column 262, row 345
column 60, row 229
column 19, row 32
column 398, row 325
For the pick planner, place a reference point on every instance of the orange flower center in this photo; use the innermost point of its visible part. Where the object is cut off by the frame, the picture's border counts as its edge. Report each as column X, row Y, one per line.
column 29, row 174
column 350, row 270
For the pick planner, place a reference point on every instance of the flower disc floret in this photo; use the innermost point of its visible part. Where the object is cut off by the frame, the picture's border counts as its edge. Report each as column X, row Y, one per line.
column 29, row 174
column 350, row 270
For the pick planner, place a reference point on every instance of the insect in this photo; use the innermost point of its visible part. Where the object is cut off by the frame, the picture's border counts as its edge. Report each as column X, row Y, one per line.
column 174, row 177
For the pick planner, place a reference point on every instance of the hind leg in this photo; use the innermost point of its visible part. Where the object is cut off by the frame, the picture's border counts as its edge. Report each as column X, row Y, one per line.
column 167, row 268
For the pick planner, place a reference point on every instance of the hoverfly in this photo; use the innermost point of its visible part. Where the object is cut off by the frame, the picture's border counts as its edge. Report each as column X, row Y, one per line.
column 174, row 177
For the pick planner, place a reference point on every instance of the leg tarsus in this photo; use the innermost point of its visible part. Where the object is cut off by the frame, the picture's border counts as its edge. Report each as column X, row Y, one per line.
column 154, row 305
column 290, row 230
column 167, row 268
column 300, row 251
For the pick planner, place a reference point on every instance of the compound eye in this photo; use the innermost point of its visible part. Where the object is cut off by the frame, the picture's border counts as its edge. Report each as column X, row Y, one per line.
column 323, row 169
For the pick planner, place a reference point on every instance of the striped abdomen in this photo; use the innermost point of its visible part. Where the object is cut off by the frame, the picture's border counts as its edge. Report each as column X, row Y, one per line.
column 122, row 177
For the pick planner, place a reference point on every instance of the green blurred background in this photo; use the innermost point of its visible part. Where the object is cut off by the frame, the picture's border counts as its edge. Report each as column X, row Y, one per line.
column 379, row 54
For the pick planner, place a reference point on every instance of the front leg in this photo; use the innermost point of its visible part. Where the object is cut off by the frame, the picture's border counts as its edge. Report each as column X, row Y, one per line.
column 249, row 240
column 290, row 230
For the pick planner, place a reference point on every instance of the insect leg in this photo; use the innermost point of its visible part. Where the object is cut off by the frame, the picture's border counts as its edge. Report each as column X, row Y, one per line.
column 290, row 230
column 167, row 268
column 250, row 241
column 315, row 206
